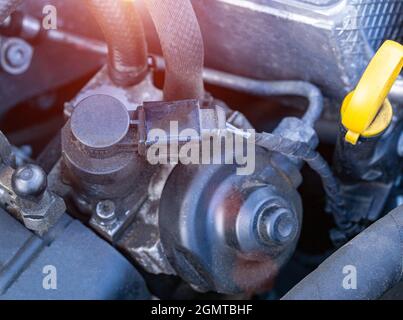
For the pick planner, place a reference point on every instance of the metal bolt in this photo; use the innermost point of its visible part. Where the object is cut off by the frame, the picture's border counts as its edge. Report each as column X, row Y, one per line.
column 105, row 211
column 16, row 56
column 278, row 225
column 29, row 182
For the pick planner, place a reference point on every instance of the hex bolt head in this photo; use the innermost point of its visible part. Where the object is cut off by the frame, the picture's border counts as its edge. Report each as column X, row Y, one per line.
column 29, row 181
column 278, row 225
column 106, row 211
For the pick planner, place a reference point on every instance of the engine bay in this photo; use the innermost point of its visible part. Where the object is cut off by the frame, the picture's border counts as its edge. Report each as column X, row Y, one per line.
column 204, row 149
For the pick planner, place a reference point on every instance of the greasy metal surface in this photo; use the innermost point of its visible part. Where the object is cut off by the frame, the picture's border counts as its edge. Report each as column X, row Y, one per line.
column 131, row 97
column 141, row 240
column 136, row 232
column 134, row 229
column 321, row 41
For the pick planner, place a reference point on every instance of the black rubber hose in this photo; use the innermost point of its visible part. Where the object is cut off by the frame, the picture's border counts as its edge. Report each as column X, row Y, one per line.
column 7, row 7
column 182, row 47
column 376, row 254
column 125, row 37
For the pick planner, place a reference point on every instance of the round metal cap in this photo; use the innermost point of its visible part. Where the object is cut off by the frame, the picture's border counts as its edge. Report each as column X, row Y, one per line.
column 100, row 121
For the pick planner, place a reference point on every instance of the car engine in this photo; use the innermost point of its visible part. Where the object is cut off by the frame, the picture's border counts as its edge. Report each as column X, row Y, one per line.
column 201, row 149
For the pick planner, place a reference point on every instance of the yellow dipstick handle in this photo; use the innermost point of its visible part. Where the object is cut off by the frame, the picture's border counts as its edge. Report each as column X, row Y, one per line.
column 366, row 111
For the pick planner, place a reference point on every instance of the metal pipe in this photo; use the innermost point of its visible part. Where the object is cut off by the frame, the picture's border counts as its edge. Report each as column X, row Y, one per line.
column 265, row 89
column 272, row 88
column 124, row 34
column 364, row 268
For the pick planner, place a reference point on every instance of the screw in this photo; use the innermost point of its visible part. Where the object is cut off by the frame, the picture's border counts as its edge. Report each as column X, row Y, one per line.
column 29, row 182
column 278, row 225
column 105, row 211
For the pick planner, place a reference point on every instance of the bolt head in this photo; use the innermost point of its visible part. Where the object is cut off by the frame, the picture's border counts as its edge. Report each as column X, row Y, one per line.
column 29, row 181
column 15, row 56
column 105, row 210
column 278, row 225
